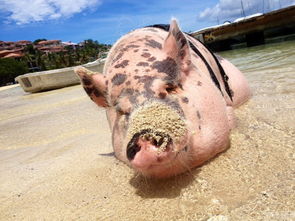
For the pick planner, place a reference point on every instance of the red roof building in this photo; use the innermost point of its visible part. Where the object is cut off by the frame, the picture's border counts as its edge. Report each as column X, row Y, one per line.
column 14, row 55
column 10, row 49
column 50, row 46
column 11, row 53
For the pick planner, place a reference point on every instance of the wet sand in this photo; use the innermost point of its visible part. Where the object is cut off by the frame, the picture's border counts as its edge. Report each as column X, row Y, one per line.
column 56, row 159
column 8, row 87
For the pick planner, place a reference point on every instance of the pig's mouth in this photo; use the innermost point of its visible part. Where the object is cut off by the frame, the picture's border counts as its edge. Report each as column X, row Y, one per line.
column 160, row 140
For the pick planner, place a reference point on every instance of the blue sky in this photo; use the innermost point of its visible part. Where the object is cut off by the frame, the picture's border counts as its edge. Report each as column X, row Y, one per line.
column 107, row 20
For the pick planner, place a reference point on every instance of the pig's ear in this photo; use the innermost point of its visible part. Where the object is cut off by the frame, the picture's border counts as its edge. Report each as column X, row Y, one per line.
column 94, row 84
column 176, row 46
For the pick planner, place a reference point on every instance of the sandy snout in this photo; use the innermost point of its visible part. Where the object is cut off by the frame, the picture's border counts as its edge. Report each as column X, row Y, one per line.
column 157, row 117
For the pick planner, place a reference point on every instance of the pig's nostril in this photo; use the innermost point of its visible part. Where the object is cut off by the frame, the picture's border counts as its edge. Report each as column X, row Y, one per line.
column 160, row 142
column 171, row 88
column 133, row 147
column 131, row 151
column 154, row 142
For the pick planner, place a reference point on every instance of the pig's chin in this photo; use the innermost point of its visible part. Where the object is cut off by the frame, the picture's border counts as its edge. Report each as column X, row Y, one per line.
column 151, row 152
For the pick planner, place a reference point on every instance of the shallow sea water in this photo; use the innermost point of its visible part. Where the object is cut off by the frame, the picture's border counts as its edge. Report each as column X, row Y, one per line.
column 56, row 161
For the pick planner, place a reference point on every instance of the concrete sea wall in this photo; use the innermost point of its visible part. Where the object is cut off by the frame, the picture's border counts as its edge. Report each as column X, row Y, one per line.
column 53, row 79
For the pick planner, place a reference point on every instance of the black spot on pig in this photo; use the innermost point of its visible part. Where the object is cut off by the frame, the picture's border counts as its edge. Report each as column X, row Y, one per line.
column 151, row 59
column 146, row 55
column 185, row 100
column 198, row 114
column 128, row 91
column 129, row 46
column 153, row 44
column 123, row 64
column 232, row 92
column 133, row 98
column 144, row 64
column 131, row 94
column 167, row 66
column 147, row 81
column 118, row 57
column 119, row 79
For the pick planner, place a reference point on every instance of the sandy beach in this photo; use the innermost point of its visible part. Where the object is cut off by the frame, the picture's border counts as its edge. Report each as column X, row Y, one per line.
column 56, row 160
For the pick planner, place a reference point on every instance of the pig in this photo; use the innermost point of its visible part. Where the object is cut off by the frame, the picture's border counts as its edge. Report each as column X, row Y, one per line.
column 168, row 99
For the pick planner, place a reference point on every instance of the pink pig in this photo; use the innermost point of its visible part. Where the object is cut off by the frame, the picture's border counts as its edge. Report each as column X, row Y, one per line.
column 169, row 100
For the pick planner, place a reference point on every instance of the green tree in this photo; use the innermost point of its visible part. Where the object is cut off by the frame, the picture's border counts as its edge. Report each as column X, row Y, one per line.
column 11, row 68
column 40, row 39
column 35, row 59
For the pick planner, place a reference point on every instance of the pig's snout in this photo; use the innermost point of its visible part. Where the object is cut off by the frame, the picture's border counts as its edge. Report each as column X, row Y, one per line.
column 147, row 140
column 156, row 132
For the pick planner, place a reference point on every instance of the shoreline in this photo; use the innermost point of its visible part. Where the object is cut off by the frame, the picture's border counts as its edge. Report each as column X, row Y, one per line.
column 3, row 88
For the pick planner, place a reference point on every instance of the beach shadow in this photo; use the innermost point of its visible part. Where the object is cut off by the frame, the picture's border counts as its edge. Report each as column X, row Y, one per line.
column 162, row 188
column 170, row 187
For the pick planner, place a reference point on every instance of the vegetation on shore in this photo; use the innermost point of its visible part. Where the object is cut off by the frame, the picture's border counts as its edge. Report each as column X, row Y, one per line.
column 11, row 68
column 36, row 60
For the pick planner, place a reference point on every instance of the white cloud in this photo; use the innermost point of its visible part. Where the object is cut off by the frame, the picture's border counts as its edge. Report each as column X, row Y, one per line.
column 26, row 11
column 231, row 9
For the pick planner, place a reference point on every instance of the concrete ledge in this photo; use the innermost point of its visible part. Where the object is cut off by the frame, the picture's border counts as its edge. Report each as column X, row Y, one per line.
column 249, row 31
column 53, row 79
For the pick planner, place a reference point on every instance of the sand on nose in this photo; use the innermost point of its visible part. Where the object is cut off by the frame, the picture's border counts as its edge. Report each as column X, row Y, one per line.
column 157, row 118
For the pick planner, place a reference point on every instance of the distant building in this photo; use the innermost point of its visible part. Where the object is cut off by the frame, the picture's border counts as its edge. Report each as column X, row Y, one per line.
column 22, row 43
column 70, row 44
column 11, row 45
column 7, row 45
column 17, row 53
column 10, row 49
column 50, row 46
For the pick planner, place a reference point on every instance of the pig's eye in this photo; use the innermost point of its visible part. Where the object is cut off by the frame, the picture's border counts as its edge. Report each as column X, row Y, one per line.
column 170, row 88
column 121, row 112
